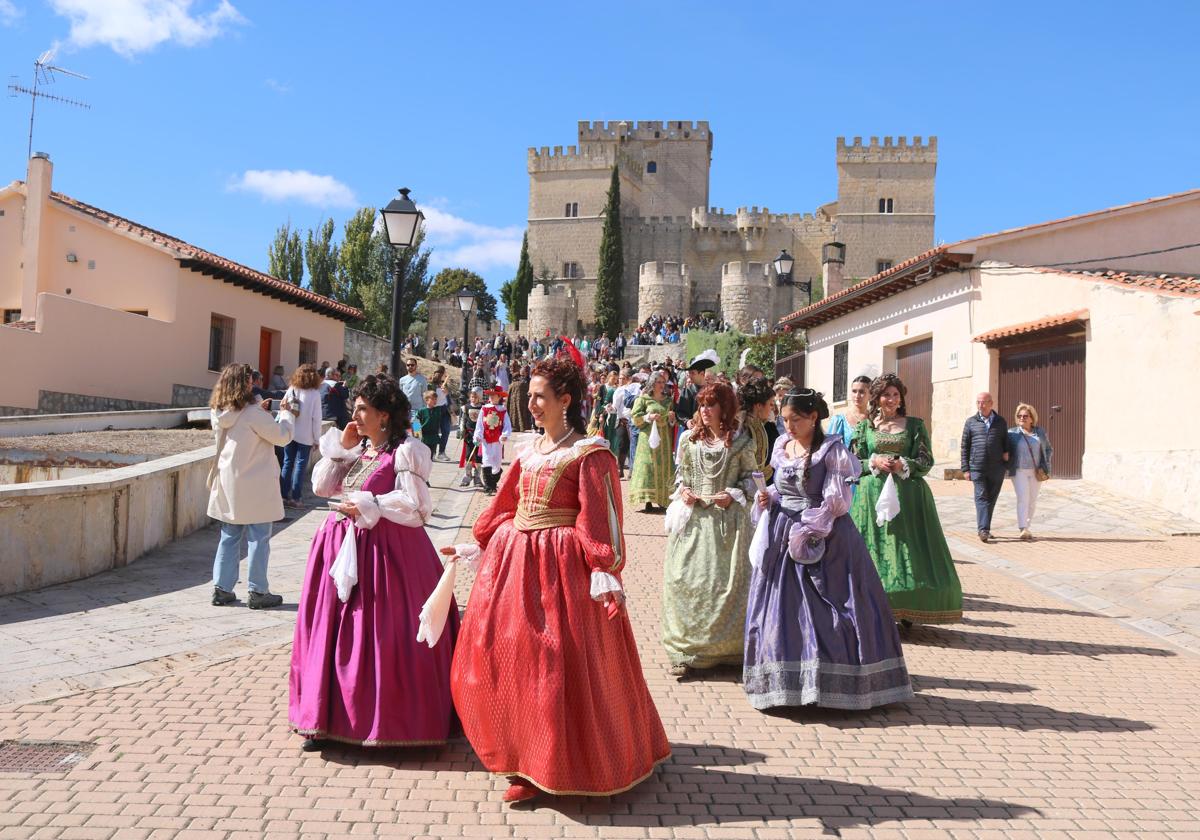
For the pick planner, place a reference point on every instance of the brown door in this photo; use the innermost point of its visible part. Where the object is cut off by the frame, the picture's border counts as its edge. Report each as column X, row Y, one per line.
column 792, row 367
column 264, row 355
column 914, row 366
column 1050, row 377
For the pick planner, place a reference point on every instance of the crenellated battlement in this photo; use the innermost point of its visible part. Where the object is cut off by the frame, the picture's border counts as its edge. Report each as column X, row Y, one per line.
column 891, row 150
column 746, row 219
column 644, row 130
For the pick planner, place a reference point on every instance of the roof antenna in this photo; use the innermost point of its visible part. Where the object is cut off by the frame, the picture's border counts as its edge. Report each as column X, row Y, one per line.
column 43, row 74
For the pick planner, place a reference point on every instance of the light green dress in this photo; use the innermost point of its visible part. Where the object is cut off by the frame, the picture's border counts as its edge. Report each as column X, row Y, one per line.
column 653, row 475
column 706, row 577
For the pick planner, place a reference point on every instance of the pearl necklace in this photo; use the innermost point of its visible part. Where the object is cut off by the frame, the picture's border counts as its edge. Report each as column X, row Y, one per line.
column 556, row 443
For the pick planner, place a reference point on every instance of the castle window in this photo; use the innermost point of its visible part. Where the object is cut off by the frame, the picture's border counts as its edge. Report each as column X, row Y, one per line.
column 885, row 205
column 220, row 342
column 571, row 271
column 651, row 167
column 841, row 366
column 308, row 351
column 572, row 209
column 12, row 315
column 882, row 265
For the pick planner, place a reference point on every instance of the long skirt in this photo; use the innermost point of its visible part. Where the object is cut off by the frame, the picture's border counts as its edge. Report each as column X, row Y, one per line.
column 653, row 476
column 358, row 673
column 547, row 686
column 821, row 633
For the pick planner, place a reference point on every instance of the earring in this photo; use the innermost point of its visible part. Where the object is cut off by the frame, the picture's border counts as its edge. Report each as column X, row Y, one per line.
column 383, row 427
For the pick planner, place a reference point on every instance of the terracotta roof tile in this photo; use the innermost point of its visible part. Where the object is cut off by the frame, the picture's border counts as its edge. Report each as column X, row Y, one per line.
column 1174, row 284
column 186, row 251
column 1040, row 325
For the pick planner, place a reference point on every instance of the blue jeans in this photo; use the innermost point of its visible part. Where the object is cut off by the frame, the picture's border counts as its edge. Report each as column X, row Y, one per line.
column 634, row 431
column 987, row 491
column 229, row 555
column 295, row 464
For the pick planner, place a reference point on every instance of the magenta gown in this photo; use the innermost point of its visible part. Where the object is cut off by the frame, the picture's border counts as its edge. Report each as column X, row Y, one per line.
column 358, row 675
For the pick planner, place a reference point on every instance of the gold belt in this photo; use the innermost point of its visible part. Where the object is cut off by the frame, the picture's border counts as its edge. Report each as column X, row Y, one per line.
column 539, row 520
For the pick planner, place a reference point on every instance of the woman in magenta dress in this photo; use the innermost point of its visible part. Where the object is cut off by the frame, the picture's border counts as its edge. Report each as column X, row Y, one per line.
column 358, row 673
column 546, row 677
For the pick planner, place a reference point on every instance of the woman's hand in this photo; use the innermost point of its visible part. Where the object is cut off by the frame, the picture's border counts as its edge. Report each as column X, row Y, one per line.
column 722, row 500
column 652, row 417
column 348, row 509
column 763, row 498
column 286, row 405
column 671, row 417
column 265, row 405
column 351, row 437
column 448, row 551
column 689, row 498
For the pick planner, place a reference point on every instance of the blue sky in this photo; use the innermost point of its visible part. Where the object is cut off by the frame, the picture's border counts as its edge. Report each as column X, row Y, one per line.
column 216, row 121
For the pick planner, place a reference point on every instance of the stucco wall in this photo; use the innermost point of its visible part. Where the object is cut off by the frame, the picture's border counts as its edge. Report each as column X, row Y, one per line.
column 59, row 531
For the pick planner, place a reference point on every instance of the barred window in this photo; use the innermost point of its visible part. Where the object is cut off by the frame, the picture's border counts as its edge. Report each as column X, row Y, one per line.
column 308, row 351
column 571, row 210
column 882, row 265
column 220, row 342
column 885, row 205
column 571, row 271
column 12, row 315
column 841, row 360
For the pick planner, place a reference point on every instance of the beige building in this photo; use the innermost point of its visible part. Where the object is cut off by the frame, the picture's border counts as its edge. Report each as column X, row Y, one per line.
column 683, row 256
column 1092, row 319
column 101, row 313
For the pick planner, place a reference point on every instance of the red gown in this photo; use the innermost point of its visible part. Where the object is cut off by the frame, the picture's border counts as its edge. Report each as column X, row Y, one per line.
column 546, row 685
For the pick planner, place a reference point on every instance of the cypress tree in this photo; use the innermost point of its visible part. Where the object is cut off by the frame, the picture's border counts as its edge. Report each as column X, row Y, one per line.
column 522, row 284
column 612, row 264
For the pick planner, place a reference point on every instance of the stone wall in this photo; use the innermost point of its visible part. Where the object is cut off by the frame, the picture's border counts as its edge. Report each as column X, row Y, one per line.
column 446, row 321
column 663, row 289
column 552, row 309
column 60, row 531
column 55, row 402
column 747, row 294
column 365, row 350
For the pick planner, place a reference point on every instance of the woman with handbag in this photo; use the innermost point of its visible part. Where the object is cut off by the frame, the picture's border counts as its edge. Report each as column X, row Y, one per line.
column 819, row 630
column 359, row 674
column 1029, row 464
column 243, row 484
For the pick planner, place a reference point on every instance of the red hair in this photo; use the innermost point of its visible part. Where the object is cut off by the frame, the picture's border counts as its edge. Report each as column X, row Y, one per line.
column 723, row 397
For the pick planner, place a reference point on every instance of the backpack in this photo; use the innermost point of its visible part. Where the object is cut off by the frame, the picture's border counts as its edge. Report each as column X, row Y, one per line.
column 629, row 399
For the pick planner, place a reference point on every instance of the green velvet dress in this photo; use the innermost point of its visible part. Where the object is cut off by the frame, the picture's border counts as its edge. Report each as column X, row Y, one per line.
column 653, row 476
column 706, row 576
column 910, row 552
column 604, row 423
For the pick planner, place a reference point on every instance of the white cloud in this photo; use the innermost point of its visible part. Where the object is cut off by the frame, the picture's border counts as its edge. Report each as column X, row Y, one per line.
column 277, row 86
column 295, row 185
column 9, row 13
column 459, row 242
column 129, row 27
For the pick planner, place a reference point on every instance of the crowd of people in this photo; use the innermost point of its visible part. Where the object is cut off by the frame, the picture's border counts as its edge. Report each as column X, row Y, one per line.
column 799, row 546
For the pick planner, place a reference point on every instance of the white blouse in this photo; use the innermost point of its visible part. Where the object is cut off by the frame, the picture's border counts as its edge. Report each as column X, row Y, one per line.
column 408, row 503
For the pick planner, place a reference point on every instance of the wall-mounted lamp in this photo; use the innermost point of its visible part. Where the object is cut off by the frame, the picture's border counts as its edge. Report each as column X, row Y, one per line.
column 71, row 258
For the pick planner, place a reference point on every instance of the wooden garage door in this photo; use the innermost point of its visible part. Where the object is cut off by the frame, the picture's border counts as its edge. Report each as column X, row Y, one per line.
column 792, row 367
column 1050, row 377
column 914, row 366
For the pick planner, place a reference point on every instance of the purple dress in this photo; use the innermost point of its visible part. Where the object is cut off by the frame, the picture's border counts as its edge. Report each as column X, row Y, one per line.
column 358, row 674
column 818, row 631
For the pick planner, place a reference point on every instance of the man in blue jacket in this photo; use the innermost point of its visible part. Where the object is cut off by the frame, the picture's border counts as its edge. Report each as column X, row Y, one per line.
column 984, row 453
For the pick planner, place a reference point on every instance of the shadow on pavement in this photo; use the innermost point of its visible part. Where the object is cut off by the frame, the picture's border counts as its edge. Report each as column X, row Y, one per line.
column 947, row 638
column 984, row 622
column 921, row 682
column 975, row 604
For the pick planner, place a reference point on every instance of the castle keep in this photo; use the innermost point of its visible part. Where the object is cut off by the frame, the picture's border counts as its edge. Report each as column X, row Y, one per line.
column 683, row 256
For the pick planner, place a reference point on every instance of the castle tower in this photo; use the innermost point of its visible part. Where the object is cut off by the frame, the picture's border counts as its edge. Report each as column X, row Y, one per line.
column 663, row 289
column 553, row 310
column 885, row 201
column 747, row 293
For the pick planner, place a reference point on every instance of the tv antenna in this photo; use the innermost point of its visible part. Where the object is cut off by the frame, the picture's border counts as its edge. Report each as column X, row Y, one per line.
column 43, row 75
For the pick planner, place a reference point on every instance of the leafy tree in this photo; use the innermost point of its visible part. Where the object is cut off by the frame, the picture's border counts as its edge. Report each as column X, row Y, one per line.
column 507, row 290
column 383, row 263
column 448, row 281
column 286, row 255
column 612, row 263
column 354, row 258
column 522, row 285
column 321, row 256
column 763, row 349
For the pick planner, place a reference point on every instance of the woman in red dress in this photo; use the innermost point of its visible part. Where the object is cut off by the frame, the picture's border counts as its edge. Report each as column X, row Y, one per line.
column 546, row 676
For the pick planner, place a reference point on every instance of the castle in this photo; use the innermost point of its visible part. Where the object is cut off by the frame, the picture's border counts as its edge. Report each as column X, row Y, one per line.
column 683, row 256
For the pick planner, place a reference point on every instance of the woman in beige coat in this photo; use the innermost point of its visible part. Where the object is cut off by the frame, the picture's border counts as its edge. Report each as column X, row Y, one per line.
column 244, row 484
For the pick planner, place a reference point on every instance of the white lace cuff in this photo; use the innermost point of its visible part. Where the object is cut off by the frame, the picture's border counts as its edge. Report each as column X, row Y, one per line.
column 469, row 553
column 906, row 472
column 604, row 584
column 330, row 446
column 738, row 494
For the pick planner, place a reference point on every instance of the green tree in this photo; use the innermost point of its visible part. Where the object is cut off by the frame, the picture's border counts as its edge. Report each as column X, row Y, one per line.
column 448, row 281
column 383, row 265
column 763, row 349
column 286, row 255
column 354, row 257
column 612, row 263
column 522, row 285
column 321, row 257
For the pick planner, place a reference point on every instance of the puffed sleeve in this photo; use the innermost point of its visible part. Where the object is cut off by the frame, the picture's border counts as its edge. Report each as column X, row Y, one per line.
column 331, row 469
column 639, row 412
column 742, row 487
column 409, row 503
column 599, row 526
column 836, row 495
column 503, row 506
column 919, row 460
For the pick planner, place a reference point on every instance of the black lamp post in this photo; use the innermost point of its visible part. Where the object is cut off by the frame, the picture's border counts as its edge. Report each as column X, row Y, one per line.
column 466, row 303
column 402, row 220
column 783, row 273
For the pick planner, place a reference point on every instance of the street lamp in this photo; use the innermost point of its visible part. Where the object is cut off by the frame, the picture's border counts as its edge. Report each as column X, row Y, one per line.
column 783, row 273
column 466, row 303
column 402, row 220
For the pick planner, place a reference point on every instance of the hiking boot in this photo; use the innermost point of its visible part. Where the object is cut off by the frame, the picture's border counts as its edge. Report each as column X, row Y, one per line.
column 263, row 600
column 220, row 597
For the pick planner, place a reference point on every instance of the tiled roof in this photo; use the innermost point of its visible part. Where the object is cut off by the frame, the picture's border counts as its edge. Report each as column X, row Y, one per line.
column 902, row 275
column 1173, row 284
column 206, row 262
column 1040, row 325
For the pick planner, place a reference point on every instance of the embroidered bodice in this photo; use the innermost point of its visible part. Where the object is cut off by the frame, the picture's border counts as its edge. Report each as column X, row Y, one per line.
column 710, row 468
column 799, row 490
column 891, row 443
column 757, row 432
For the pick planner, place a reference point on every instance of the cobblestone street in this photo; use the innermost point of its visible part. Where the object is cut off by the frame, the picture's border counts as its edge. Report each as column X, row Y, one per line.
column 1064, row 706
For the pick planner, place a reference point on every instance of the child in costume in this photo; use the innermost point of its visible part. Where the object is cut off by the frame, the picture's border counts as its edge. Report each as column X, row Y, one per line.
column 467, row 423
column 491, row 432
column 430, row 419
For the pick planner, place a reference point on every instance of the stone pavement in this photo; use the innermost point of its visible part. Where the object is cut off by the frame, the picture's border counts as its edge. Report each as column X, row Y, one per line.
column 1034, row 718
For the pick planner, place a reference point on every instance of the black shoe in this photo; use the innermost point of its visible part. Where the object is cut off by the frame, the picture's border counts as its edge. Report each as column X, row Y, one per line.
column 905, row 624
column 985, row 536
column 649, row 508
column 263, row 600
column 220, row 597
column 312, row 745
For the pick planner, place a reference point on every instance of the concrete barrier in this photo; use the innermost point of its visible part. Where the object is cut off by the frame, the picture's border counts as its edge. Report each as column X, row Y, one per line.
column 58, row 531
column 96, row 421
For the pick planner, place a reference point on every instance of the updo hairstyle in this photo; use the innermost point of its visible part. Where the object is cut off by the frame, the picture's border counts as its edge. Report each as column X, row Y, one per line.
column 383, row 393
column 564, row 378
column 807, row 401
column 755, row 392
